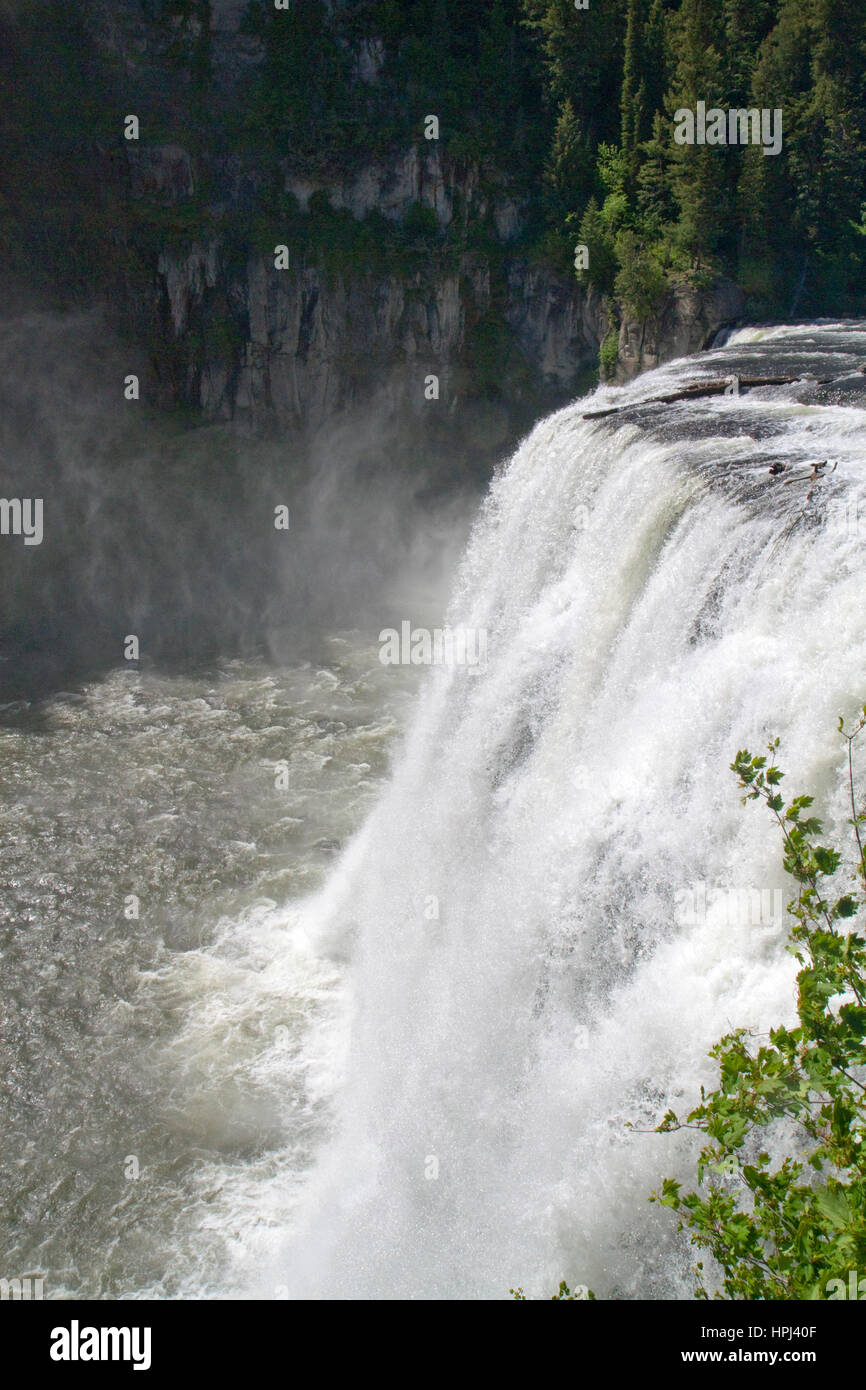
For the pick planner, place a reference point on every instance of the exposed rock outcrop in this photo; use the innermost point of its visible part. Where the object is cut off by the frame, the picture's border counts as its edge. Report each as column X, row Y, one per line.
column 308, row 344
column 238, row 339
column 687, row 322
column 161, row 172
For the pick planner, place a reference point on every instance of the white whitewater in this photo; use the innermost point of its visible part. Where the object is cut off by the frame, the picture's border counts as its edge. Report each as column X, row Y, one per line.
column 654, row 600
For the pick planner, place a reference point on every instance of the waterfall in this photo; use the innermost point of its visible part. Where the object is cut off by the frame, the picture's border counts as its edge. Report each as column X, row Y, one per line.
column 558, row 904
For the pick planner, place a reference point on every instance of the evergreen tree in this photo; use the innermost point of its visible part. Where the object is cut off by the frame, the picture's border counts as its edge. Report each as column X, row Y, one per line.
column 569, row 170
column 698, row 172
column 633, row 96
column 582, row 53
column 645, row 64
column 656, row 206
column 746, row 24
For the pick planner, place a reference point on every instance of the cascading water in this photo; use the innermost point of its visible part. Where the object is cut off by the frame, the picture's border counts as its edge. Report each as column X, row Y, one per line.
column 415, row 1080
column 526, row 973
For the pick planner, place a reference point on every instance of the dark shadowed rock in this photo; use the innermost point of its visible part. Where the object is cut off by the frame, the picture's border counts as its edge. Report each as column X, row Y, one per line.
column 687, row 322
column 161, row 172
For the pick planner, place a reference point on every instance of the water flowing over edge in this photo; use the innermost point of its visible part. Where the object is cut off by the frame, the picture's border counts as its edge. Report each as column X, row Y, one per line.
column 538, row 914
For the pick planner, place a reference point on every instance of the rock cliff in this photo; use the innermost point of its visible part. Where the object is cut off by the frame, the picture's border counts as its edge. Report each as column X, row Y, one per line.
column 411, row 262
column 687, row 322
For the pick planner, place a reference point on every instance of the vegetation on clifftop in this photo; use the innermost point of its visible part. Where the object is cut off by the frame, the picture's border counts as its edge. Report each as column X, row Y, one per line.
column 562, row 118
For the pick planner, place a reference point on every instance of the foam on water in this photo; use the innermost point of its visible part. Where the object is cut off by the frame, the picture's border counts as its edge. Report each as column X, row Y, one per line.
column 182, row 1037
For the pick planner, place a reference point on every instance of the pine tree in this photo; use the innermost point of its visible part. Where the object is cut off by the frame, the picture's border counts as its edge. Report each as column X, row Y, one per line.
column 633, row 90
column 568, row 173
column 582, row 52
column 699, row 175
column 746, row 24
column 656, row 206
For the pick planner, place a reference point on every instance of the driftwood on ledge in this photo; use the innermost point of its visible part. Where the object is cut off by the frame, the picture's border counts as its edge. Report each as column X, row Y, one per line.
column 708, row 388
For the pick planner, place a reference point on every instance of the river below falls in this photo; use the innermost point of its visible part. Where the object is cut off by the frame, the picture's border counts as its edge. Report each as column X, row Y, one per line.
column 158, row 1062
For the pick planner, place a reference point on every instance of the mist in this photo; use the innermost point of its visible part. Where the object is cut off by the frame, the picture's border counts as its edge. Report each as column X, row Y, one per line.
column 164, row 528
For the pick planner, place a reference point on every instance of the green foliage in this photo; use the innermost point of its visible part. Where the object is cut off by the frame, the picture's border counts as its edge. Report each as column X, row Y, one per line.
column 609, row 354
column 701, row 208
column 300, row 104
column 598, row 237
column 420, row 224
column 792, row 1226
column 581, row 54
column 566, row 113
column 569, row 168
column 641, row 284
column 563, row 1293
column 654, row 199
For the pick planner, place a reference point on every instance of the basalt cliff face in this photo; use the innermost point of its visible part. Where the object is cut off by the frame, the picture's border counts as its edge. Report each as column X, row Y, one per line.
column 688, row 321
column 246, row 341
column 308, row 341
column 407, row 273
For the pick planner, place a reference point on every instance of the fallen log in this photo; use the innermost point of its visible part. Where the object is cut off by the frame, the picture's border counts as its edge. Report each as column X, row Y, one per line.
column 708, row 388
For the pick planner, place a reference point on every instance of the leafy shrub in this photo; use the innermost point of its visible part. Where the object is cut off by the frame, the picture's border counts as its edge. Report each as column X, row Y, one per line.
column 598, row 239
column 609, row 355
column 580, row 1294
column 794, row 1229
column 791, row 1229
column 640, row 284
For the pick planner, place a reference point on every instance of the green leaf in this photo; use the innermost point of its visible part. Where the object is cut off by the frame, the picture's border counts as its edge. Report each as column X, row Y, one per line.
column 834, row 1206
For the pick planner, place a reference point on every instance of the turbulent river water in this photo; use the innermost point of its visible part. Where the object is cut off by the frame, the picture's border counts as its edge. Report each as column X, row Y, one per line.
column 380, row 1033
